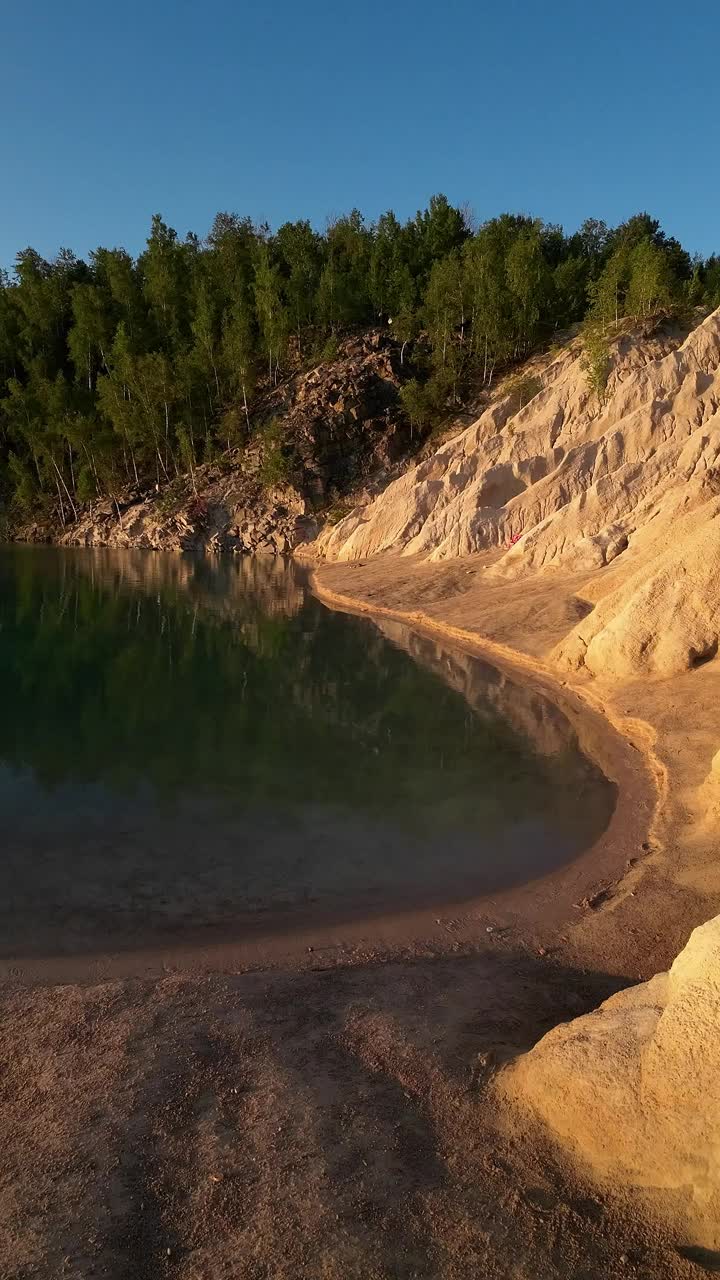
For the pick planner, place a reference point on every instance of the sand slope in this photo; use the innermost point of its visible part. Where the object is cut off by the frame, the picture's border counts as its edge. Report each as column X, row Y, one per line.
column 633, row 484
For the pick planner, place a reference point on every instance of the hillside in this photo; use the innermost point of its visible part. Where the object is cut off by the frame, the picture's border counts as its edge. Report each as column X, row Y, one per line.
column 580, row 542
column 296, row 357
column 621, row 493
column 318, row 435
column 630, row 486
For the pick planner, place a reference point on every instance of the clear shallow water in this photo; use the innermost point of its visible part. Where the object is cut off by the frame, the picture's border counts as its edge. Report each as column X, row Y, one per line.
column 193, row 744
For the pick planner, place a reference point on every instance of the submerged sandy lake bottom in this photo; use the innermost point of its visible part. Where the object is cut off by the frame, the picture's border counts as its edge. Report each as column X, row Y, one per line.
column 194, row 743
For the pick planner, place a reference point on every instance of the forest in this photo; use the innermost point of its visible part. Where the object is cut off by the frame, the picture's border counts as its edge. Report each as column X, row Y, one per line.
column 122, row 372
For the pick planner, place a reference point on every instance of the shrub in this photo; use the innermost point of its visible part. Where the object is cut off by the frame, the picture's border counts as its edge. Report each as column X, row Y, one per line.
column 276, row 466
column 425, row 402
column 596, row 361
column 523, row 388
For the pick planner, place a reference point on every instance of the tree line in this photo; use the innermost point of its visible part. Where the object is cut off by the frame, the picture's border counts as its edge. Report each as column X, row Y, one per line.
column 118, row 371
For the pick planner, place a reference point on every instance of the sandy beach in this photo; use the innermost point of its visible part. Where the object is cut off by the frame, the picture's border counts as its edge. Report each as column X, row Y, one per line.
column 323, row 1105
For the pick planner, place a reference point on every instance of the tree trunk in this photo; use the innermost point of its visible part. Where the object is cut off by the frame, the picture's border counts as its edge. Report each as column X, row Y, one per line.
column 62, row 509
column 61, row 479
column 167, row 432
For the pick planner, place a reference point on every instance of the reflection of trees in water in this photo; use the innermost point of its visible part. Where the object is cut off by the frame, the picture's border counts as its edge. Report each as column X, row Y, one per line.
column 492, row 694
column 236, row 587
column 127, row 666
column 489, row 691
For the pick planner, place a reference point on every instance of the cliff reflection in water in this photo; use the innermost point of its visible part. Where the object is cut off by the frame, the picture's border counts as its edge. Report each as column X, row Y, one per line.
column 187, row 740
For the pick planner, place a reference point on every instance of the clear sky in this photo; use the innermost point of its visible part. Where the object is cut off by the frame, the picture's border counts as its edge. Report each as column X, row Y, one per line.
column 116, row 109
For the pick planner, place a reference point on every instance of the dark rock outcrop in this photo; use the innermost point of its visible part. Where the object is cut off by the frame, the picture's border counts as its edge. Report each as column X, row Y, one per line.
column 314, row 438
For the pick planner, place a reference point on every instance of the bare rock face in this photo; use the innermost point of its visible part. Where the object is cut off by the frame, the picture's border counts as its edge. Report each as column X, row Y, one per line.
column 567, row 483
column 633, row 1089
column 329, row 428
column 227, row 514
column 344, row 418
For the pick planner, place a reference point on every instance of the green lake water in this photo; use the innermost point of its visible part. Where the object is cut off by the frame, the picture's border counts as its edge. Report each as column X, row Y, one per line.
column 195, row 743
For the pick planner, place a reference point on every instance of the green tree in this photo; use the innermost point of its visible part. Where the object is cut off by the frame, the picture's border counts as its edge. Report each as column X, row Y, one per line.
column 596, row 360
column 271, row 311
column 239, row 351
column 608, row 292
column 651, row 287
column 138, row 396
column 120, row 371
column 528, row 282
column 440, row 229
column 490, row 300
column 570, row 281
column 300, row 253
column 91, row 332
column 165, row 282
column 710, row 275
column 206, row 331
column 445, row 311
column 343, row 293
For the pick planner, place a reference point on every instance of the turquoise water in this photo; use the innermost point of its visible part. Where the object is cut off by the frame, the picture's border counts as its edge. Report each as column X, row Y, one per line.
column 197, row 743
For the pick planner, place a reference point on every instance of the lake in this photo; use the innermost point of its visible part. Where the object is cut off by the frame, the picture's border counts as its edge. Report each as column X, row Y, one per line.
column 201, row 744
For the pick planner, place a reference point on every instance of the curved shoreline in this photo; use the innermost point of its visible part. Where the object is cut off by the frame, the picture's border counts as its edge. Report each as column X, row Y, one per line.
column 623, row 748
column 656, row 868
column 514, row 661
column 336, row 1059
column 529, row 915
column 563, row 914
column 455, row 910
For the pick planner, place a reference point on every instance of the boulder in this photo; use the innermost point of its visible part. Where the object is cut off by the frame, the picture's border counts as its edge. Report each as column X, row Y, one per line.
column 633, row 1089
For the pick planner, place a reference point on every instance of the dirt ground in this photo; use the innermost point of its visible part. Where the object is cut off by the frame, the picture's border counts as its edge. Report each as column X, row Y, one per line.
column 332, row 1123
column 334, row 1116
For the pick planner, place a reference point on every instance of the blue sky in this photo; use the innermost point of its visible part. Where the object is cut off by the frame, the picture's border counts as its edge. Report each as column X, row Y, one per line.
column 112, row 111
